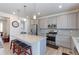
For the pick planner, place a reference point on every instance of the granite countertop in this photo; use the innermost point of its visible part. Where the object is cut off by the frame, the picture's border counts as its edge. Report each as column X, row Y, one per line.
column 29, row 38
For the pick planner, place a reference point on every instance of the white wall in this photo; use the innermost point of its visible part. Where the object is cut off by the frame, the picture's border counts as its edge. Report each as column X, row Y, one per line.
column 6, row 22
column 19, row 29
column 10, row 18
column 12, row 29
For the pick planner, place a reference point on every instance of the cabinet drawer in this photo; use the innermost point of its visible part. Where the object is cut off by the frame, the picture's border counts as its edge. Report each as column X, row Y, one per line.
column 63, row 43
column 63, row 39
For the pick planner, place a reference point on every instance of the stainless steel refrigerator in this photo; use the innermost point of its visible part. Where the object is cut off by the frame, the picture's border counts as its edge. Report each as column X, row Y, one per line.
column 34, row 29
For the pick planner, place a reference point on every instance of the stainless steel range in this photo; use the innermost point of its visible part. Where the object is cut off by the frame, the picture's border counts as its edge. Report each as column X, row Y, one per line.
column 51, row 38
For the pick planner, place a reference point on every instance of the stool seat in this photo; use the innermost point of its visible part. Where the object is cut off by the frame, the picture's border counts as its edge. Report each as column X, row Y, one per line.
column 23, row 45
column 17, row 42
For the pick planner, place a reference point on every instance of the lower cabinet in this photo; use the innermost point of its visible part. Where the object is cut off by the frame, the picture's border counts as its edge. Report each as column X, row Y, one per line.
column 72, row 44
column 63, row 41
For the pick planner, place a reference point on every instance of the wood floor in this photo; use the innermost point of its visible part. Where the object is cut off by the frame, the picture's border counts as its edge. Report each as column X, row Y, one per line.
column 50, row 51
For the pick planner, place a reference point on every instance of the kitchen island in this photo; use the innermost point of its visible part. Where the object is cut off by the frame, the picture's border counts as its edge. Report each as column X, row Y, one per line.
column 38, row 43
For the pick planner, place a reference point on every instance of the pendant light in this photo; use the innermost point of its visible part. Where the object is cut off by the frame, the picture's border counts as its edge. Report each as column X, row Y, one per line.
column 34, row 16
column 24, row 12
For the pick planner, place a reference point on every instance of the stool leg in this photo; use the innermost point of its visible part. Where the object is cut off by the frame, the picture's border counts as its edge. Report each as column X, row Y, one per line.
column 11, row 45
column 19, row 51
column 25, row 51
column 30, row 51
column 13, row 48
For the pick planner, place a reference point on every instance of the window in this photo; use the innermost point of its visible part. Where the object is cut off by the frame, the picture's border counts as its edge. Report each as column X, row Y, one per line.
column 1, row 27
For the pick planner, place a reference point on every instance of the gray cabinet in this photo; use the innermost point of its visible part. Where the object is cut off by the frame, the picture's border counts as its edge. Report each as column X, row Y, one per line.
column 78, row 20
column 62, row 21
column 71, row 20
column 72, row 44
column 52, row 20
column 63, row 41
column 67, row 21
column 43, row 27
column 63, row 38
column 43, row 23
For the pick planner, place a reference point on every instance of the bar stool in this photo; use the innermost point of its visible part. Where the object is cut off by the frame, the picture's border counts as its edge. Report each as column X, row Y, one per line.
column 13, row 42
column 16, row 46
column 19, row 47
column 26, row 47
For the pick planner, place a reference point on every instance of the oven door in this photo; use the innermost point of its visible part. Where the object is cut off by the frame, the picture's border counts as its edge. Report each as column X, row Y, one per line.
column 50, row 40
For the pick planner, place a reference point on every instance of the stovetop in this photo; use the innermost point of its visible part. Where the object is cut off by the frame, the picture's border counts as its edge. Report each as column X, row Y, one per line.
column 52, row 34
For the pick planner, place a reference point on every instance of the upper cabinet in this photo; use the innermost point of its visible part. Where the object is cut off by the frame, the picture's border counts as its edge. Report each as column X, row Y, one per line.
column 78, row 20
column 52, row 20
column 43, row 23
column 62, row 21
column 49, row 21
column 72, row 20
column 67, row 21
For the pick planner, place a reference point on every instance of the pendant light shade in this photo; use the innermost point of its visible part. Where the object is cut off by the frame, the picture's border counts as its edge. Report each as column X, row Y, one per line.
column 34, row 17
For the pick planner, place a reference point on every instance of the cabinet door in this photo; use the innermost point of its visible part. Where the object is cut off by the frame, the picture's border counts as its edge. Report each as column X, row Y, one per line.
column 52, row 20
column 43, row 23
column 67, row 21
column 72, row 44
column 62, row 21
column 63, row 38
column 71, row 20
column 78, row 20
column 63, row 41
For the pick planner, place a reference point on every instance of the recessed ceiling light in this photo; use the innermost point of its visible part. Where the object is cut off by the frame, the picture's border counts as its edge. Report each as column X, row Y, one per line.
column 14, row 13
column 60, row 6
column 38, row 13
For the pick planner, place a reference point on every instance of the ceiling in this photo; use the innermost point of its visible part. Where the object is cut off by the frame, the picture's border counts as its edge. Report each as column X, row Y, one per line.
column 33, row 8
